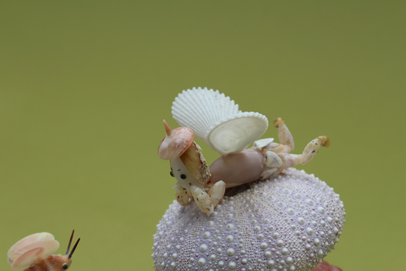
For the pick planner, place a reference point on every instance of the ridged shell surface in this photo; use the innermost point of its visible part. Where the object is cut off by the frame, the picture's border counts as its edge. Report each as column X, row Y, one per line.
column 216, row 120
column 290, row 222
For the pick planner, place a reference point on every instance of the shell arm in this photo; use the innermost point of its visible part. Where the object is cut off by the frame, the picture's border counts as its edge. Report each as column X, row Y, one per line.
column 216, row 192
column 182, row 195
column 202, row 199
column 290, row 160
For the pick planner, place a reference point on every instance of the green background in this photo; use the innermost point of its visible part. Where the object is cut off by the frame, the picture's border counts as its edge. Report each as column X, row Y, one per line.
column 84, row 86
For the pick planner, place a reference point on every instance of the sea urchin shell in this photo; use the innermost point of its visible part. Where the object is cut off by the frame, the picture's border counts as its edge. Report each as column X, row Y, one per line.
column 289, row 222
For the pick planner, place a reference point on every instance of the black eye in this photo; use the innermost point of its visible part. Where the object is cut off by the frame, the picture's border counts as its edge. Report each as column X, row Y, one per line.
column 65, row 266
column 171, row 173
column 183, row 176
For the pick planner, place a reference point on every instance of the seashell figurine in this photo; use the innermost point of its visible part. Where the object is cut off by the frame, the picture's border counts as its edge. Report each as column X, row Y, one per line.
column 216, row 120
column 32, row 253
column 271, row 217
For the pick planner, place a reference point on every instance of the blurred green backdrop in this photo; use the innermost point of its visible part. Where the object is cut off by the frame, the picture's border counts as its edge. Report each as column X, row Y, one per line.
column 85, row 86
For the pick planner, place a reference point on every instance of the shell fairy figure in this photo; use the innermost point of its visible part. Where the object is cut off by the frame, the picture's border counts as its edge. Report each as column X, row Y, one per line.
column 249, row 210
column 33, row 253
column 216, row 120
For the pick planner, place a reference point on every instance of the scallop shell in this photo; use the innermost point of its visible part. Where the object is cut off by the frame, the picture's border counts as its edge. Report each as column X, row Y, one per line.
column 216, row 120
column 26, row 251
column 289, row 222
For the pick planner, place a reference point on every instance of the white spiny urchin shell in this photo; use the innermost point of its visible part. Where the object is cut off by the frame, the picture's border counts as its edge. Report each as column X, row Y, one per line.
column 289, row 222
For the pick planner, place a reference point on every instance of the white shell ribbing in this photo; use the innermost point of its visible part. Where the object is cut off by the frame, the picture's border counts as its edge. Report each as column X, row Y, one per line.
column 216, row 120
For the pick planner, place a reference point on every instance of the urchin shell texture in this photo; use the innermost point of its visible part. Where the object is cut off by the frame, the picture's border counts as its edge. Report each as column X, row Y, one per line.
column 290, row 222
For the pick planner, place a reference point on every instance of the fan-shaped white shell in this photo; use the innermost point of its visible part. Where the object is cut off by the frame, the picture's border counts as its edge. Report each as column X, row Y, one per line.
column 23, row 253
column 216, row 120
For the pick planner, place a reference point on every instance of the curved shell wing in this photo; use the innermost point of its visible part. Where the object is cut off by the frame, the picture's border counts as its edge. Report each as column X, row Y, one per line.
column 23, row 253
column 26, row 259
column 216, row 120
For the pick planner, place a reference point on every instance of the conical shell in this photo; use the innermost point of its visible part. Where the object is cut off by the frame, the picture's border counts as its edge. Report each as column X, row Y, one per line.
column 23, row 253
column 216, row 120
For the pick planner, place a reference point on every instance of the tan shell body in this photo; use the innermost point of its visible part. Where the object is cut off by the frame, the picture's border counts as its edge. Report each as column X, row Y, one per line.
column 50, row 263
column 238, row 168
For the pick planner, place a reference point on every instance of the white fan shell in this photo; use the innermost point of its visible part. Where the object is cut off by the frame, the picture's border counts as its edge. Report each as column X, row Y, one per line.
column 216, row 120
column 26, row 251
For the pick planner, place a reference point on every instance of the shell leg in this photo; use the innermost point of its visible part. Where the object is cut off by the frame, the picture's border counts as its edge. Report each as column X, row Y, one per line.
column 313, row 147
column 285, row 137
column 182, row 195
column 202, row 199
column 290, row 160
column 272, row 160
column 216, row 192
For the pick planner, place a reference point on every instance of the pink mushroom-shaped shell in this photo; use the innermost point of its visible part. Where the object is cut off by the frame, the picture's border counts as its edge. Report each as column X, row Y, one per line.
column 175, row 143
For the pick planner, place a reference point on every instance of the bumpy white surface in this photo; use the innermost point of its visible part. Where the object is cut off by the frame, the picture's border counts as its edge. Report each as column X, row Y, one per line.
column 216, row 120
column 286, row 223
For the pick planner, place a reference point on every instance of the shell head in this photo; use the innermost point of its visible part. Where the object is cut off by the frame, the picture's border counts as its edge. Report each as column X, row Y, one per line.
column 63, row 262
column 60, row 262
column 175, row 143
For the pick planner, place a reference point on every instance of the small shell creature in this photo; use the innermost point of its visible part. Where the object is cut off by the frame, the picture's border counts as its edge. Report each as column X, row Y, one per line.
column 190, row 169
column 32, row 253
column 216, row 120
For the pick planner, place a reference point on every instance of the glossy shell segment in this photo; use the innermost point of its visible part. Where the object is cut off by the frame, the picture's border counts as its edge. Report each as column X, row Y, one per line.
column 216, row 119
column 26, row 251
